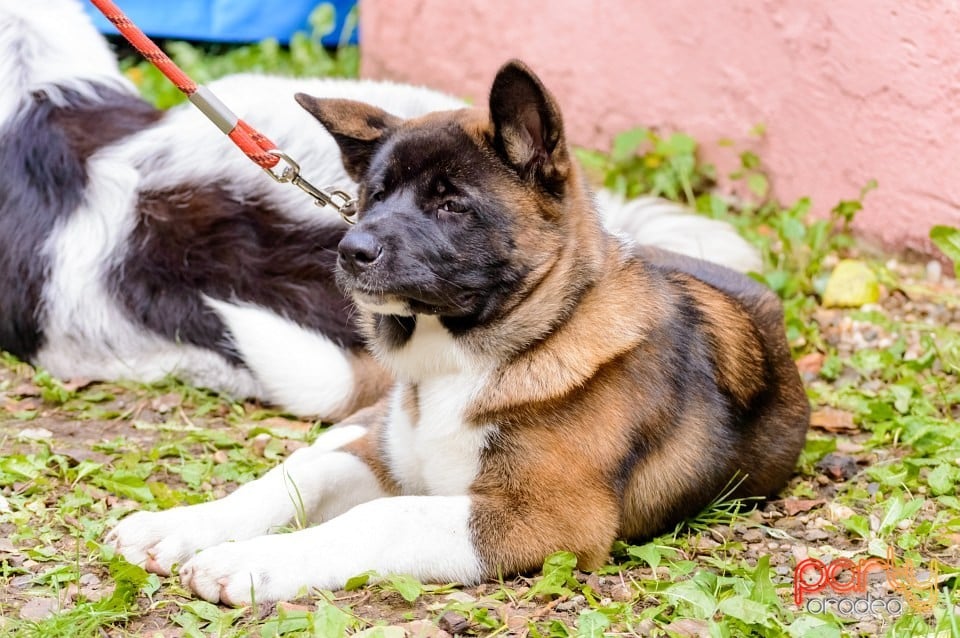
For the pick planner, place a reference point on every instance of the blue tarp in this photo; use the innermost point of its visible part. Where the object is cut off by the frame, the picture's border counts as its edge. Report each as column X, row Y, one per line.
column 226, row 20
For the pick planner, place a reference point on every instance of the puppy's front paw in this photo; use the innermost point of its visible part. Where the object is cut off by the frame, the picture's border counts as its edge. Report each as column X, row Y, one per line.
column 159, row 540
column 238, row 573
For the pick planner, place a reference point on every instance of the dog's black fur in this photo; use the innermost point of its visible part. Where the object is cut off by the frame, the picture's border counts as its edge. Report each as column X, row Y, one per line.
column 201, row 240
column 42, row 181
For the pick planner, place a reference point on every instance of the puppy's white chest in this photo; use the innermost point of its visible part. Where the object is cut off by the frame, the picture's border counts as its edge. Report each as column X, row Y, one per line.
column 431, row 449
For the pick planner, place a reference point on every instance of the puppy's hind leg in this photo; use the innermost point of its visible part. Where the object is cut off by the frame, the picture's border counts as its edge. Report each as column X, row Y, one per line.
column 316, row 483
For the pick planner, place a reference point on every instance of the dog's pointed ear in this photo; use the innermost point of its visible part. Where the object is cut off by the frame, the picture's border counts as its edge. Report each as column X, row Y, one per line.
column 358, row 128
column 528, row 128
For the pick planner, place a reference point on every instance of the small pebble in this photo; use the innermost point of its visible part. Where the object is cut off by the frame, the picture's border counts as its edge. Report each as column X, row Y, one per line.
column 621, row 593
column 38, row 608
column 594, row 582
column 816, row 535
column 934, row 271
column 259, row 443
column 89, row 579
column 35, row 434
column 573, row 604
column 705, row 543
column 839, row 512
column 70, row 593
column 838, row 467
column 753, row 535
column 453, row 623
column 461, row 597
column 517, row 625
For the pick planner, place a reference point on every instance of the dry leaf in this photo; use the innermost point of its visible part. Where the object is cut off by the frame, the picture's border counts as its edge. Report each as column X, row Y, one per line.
column 277, row 423
column 851, row 285
column 26, row 405
column 293, row 606
column 832, row 420
column 690, row 627
column 794, row 506
column 810, row 363
column 26, row 389
column 79, row 383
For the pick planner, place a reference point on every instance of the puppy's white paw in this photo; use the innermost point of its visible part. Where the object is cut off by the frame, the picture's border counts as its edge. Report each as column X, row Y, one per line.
column 159, row 540
column 238, row 573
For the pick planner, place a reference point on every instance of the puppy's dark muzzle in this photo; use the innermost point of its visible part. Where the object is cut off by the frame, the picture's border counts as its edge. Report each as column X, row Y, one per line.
column 359, row 250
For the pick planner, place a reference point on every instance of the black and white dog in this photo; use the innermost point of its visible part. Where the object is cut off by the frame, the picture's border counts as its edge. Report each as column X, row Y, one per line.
column 137, row 244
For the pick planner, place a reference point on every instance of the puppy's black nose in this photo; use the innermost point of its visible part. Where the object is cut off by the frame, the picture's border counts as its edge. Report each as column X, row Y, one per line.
column 359, row 250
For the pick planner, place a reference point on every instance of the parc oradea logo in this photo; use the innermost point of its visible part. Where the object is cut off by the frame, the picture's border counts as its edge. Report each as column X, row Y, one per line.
column 848, row 580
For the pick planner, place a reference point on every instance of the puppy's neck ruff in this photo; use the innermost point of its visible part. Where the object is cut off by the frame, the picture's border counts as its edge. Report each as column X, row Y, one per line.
column 430, row 351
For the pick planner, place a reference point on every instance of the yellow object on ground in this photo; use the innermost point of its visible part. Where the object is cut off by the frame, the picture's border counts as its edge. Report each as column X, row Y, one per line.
column 851, row 285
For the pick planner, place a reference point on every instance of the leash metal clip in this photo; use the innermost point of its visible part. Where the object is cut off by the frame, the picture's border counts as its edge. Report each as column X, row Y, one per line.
column 341, row 201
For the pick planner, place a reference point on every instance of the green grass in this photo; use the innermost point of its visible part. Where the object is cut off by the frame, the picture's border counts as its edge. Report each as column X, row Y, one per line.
column 117, row 448
column 305, row 56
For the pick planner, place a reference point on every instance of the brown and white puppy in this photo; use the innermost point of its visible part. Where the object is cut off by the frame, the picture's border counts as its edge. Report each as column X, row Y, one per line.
column 556, row 387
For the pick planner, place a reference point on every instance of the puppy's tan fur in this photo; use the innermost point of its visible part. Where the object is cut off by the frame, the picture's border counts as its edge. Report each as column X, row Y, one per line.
column 600, row 432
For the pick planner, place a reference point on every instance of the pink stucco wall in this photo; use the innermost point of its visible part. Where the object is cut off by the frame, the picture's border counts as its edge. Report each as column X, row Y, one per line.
column 848, row 90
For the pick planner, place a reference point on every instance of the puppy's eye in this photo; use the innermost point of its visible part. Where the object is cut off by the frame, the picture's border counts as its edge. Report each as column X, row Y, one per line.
column 377, row 196
column 452, row 207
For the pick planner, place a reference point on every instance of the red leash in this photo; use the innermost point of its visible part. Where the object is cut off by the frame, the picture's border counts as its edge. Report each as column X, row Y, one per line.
column 253, row 143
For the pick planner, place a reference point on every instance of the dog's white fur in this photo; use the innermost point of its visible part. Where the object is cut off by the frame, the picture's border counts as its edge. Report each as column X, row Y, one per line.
column 51, row 46
column 290, row 360
column 439, row 454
